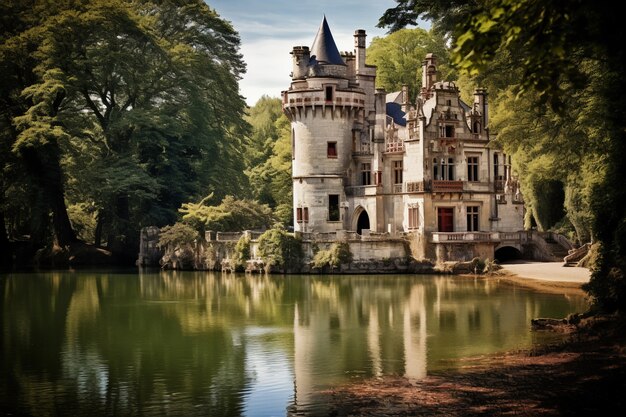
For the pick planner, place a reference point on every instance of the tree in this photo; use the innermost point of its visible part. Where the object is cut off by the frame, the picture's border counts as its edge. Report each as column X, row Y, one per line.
column 398, row 58
column 231, row 215
column 132, row 107
column 549, row 41
column 269, row 161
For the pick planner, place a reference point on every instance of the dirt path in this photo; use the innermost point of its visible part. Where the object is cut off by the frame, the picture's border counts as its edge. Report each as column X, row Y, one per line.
column 548, row 271
column 585, row 376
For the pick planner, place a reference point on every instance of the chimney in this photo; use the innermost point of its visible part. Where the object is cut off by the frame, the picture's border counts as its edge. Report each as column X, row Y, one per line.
column 405, row 98
column 359, row 46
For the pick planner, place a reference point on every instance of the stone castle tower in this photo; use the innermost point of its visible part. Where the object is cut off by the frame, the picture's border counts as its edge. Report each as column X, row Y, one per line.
column 383, row 166
column 332, row 111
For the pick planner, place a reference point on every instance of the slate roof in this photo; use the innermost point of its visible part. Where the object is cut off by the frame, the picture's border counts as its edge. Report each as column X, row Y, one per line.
column 394, row 110
column 324, row 50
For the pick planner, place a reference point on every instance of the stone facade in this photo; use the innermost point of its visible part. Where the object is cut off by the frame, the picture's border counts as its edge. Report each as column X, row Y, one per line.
column 366, row 161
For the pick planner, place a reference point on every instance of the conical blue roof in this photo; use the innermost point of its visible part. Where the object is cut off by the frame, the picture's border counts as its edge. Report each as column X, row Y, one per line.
column 324, row 48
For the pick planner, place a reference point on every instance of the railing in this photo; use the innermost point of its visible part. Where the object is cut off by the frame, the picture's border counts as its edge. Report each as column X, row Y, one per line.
column 415, row 187
column 447, row 186
column 394, row 146
column 463, row 237
column 576, row 255
column 228, row 236
column 397, row 188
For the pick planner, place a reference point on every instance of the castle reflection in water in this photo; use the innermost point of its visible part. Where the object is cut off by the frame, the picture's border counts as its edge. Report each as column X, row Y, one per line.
column 190, row 342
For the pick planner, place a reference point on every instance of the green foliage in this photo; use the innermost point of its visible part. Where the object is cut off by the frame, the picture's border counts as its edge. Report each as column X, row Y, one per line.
column 398, row 58
column 241, row 252
column 177, row 235
column 132, row 107
column 231, row 215
column 269, row 165
column 338, row 254
column 280, row 250
column 83, row 218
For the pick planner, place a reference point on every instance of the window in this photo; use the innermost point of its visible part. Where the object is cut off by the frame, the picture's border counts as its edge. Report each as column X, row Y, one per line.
column 446, row 171
column 450, row 169
column 293, row 144
column 496, row 167
column 333, row 207
column 435, row 169
column 472, row 219
column 379, row 178
column 366, row 174
column 472, row 168
column 476, row 127
column 449, row 131
column 397, row 172
column 331, row 151
column 329, row 94
column 413, row 218
column 302, row 214
column 448, row 102
column 445, row 219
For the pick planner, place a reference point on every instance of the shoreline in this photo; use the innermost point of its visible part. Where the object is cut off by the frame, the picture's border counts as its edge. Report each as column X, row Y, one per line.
column 583, row 375
column 552, row 287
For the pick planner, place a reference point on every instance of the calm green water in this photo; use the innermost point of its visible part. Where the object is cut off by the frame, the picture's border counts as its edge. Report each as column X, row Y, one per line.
column 197, row 343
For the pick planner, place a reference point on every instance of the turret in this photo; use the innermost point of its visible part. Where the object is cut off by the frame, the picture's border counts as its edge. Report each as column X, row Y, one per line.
column 301, row 56
column 429, row 74
column 480, row 104
column 359, row 47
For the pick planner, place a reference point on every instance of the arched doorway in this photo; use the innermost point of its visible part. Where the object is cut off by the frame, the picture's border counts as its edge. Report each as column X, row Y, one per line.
column 507, row 253
column 363, row 222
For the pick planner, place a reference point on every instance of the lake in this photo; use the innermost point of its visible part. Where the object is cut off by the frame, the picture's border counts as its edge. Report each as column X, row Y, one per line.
column 211, row 344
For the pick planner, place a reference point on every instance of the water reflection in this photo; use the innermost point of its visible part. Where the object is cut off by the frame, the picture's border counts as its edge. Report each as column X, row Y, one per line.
column 182, row 343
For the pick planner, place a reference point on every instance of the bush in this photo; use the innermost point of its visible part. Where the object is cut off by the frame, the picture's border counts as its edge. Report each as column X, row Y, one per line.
column 280, row 250
column 241, row 253
column 338, row 253
column 177, row 235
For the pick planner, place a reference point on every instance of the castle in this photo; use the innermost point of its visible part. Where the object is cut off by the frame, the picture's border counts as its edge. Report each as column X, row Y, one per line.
column 374, row 163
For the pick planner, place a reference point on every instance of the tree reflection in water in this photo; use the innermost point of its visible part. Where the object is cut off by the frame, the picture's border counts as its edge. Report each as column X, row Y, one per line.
column 198, row 343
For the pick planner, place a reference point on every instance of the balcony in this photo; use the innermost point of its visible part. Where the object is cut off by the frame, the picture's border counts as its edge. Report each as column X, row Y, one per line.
column 445, row 186
column 394, row 147
column 465, row 237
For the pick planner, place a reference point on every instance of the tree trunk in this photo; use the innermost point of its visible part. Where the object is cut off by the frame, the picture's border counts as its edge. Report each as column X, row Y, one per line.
column 45, row 166
column 98, row 233
column 5, row 248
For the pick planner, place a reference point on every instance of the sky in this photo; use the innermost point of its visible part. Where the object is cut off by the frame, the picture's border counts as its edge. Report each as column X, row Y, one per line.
column 270, row 29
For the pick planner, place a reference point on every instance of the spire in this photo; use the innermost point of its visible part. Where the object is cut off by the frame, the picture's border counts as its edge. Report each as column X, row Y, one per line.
column 324, row 48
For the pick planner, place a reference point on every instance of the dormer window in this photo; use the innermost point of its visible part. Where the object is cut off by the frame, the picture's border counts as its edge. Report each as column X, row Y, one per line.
column 448, row 102
column 476, row 127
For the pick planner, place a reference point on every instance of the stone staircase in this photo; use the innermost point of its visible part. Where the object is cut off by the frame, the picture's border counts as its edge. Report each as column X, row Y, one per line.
column 558, row 252
column 575, row 255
